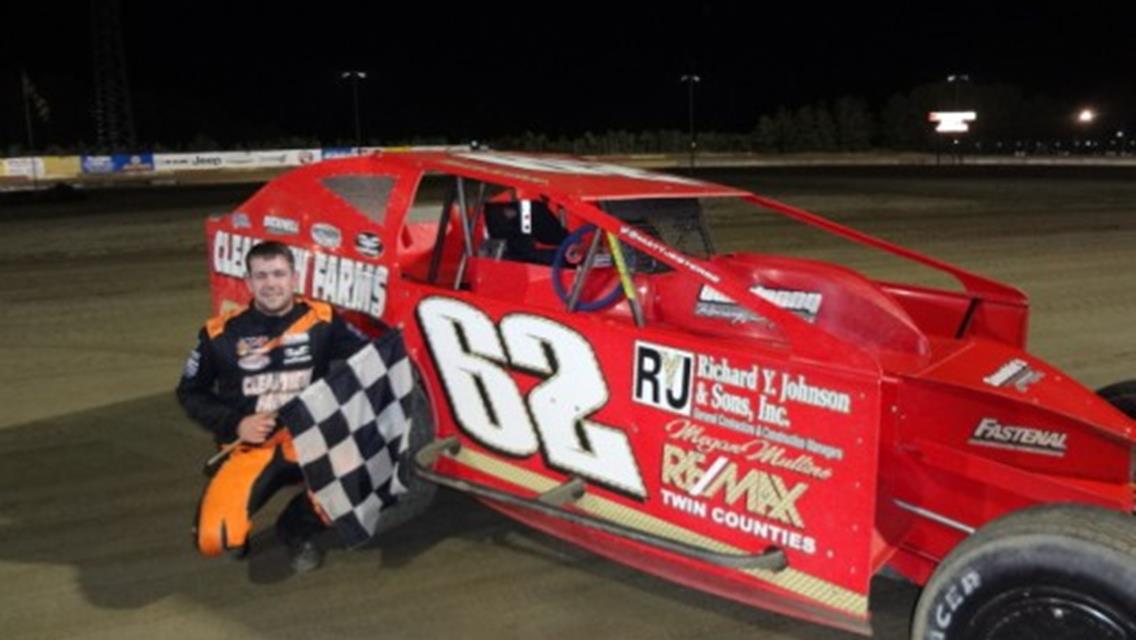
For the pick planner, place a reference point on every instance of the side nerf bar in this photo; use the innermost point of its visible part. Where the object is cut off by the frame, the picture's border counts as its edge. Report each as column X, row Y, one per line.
column 552, row 504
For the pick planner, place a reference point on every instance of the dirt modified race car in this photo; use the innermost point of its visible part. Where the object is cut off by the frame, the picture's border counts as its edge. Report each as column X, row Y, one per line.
column 773, row 429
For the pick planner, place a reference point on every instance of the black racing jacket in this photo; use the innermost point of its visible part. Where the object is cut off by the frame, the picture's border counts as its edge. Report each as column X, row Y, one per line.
column 247, row 362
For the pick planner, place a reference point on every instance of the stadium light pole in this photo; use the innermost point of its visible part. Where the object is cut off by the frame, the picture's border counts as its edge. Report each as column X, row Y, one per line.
column 355, row 77
column 1085, row 118
column 956, row 79
column 691, row 80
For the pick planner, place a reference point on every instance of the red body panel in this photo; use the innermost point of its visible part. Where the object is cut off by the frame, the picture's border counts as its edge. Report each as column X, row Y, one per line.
column 881, row 425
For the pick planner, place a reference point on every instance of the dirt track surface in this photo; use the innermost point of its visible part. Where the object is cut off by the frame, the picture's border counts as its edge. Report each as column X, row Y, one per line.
column 100, row 472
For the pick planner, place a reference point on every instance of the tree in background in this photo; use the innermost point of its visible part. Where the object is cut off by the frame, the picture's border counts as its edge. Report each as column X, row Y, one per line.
column 855, row 126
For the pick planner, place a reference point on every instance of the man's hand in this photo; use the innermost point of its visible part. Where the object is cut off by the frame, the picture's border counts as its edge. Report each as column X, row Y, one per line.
column 255, row 428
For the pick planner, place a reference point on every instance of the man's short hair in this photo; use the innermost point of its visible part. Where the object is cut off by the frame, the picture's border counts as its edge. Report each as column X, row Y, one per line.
column 269, row 250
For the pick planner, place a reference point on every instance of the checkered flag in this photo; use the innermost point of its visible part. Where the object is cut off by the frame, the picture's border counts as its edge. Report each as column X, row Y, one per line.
column 349, row 429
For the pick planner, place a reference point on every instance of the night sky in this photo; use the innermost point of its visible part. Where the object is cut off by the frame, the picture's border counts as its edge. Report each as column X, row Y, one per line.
column 238, row 72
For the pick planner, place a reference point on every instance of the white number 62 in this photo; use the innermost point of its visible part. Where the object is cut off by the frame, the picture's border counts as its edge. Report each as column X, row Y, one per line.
column 472, row 358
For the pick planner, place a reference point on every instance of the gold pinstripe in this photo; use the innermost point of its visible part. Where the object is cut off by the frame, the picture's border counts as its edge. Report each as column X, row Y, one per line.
column 803, row 584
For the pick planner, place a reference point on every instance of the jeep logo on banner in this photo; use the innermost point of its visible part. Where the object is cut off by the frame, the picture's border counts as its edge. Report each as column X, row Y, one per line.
column 663, row 377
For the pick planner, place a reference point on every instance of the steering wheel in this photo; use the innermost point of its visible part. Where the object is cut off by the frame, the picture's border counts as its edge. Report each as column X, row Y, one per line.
column 574, row 238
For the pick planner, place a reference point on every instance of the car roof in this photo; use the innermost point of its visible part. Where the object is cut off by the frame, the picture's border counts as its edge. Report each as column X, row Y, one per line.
column 586, row 180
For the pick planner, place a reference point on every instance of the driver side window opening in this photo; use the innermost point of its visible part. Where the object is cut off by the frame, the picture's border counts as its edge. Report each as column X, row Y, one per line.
column 444, row 226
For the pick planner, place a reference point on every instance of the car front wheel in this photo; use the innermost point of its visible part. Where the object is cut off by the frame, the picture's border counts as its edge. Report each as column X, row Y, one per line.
column 1057, row 572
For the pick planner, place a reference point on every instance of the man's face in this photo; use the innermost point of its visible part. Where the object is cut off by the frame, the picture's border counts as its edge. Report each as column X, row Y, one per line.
column 271, row 282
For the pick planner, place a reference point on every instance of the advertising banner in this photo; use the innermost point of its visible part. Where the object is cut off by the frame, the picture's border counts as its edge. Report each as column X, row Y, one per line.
column 97, row 164
column 22, row 167
column 340, row 152
column 133, row 163
column 61, row 166
column 187, row 161
column 235, row 159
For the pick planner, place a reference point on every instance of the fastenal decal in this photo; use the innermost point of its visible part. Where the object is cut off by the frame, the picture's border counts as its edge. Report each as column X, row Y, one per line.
column 477, row 359
column 326, row 235
column 280, row 225
column 368, row 244
column 346, row 283
column 1016, row 373
column 989, row 433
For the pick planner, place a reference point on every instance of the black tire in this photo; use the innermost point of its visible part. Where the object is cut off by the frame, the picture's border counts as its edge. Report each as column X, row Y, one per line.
column 1057, row 572
column 420, row 493
column 1121, row 395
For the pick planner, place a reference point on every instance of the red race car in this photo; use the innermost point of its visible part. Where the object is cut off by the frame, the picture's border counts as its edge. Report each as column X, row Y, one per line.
column 776, row 430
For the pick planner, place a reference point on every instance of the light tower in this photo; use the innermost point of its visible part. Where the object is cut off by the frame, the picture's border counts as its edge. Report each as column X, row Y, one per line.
column 114, row 120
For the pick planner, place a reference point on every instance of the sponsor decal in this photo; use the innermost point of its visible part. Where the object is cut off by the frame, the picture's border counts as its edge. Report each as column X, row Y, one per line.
column 724, row 311
column 663, row 377
column 291, row 339
column 754, row 501
column 251, row 344
column 798, row 389
column 280, row 225
column 756, row 450
column 710, row 389
column 350, row 284
column 1016, row 373
column 713, row 303
column 990, row 433
column 326, row 235
column 252, row 353
column 275, row 388
column 368, row 244
column 306, row 157
column 229, row 251
column 628, row 231
column 192, row 364
column 240, row 220
column 476, row 359
column 253, row 362
column 297, row 355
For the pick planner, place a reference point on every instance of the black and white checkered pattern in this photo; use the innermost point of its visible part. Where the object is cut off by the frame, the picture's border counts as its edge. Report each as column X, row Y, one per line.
column 349, row 429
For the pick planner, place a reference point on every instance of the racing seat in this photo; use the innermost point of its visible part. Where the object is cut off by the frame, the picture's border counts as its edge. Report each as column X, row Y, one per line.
column 536, row 244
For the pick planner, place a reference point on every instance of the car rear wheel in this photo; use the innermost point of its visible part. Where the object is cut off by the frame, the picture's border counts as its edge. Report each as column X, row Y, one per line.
column 1058, row 572
column 1121, row 395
